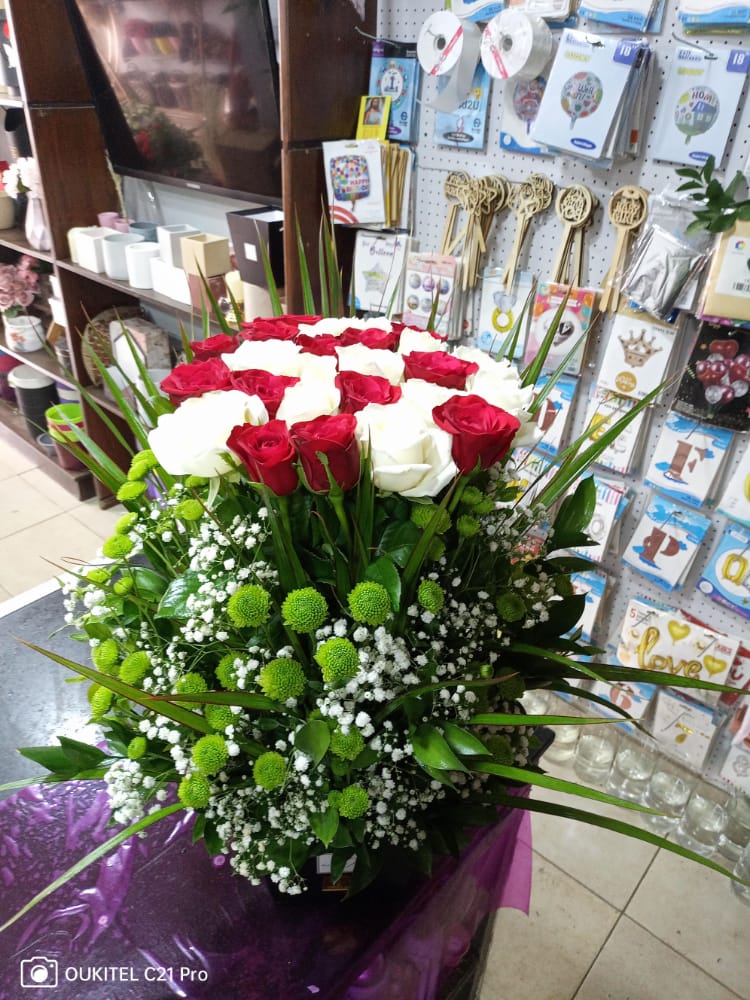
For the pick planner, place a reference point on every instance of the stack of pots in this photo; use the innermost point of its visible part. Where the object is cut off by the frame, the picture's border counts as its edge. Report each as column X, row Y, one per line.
column 61, row 422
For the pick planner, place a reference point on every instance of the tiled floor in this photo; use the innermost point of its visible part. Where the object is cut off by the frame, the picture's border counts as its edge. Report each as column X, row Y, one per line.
column 610, row 919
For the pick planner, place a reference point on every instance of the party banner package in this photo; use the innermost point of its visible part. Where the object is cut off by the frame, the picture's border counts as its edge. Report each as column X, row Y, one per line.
column 521, row 100
column 726, row 579
column 698, row 103
column 378, row 271
column 466, row 125
column 499, row 310
column 716, row 382
column 572, row 329
column 639, row 349
column 605, row 408
column 554, row 411
column 688, row 459
column 735, row 502
column 665, row 542
column 394, row 73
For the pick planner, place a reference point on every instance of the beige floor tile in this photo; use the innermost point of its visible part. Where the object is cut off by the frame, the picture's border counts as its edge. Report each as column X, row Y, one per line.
column 4, row 594
column 546, row 955
column 13, row 461
column 62, row 498
column 22, row 505
column 695, row 911
column 609, row 864
column 33, row 555
column 634, row 965
column 101, row 522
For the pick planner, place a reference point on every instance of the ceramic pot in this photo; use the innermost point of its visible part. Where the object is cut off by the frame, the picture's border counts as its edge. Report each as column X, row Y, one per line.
column 24, row 333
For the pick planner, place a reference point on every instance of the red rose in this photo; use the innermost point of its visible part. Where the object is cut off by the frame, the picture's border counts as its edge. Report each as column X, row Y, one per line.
column 439, row 367
column 357, row 391
column 268, row 329
column 268, row 455
column 324, row 344
column 270, row 388
column 374, row 338
column 195, row 379
column 481, row 432
column 213, row 347
column 334, row 437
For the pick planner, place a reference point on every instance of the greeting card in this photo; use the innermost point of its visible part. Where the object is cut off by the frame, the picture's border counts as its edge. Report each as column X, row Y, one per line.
column 466, row 127
column 610, row 504
column 394, row 73
column 521, row 100
column 665, row 542
column 716, row 382
column 726, row 579
column 688, row 459
column 735, row 502
column 572, row 329
column 592, row 584
column 354, row 181
column 554, row 411
column 605, row 408
column 637, row 355
column 378, row 271
column 500, row 310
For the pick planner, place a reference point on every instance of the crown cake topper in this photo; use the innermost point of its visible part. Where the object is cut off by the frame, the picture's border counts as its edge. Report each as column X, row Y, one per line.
column 637, row 348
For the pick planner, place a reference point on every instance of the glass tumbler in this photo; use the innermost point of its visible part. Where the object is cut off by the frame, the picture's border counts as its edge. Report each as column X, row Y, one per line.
column 742, row 870
column 564, row 744
column 631, row 770
column 736, row 834
column 668, row 791
column 702, row 823
column 595, row 751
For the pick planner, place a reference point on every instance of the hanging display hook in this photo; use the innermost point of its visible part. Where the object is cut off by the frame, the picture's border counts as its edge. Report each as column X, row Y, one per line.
column 694, row 45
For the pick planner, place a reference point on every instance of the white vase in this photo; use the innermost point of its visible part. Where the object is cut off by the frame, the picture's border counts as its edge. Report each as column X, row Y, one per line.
column 37, row 230
column 24, row 333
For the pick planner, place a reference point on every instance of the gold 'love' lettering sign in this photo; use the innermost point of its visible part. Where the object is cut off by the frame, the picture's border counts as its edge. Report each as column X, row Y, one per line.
column 690, row 668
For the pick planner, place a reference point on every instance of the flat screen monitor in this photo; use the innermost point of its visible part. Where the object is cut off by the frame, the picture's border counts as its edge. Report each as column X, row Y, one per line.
column 187, row 91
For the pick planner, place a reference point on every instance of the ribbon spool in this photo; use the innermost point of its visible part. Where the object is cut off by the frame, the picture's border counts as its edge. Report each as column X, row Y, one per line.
column 448, row 46
column 515, row 44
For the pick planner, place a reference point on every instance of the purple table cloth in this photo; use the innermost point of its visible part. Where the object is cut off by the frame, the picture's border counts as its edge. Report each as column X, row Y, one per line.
column 159, row 919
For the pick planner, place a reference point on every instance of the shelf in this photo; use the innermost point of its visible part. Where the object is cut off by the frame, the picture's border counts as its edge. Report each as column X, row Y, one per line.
column 15, row 239
column 143, row 294
column 13, row 427
column 43, row 362
column 10, row 101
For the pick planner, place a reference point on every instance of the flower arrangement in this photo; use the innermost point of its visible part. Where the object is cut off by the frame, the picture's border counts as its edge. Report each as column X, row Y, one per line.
column 19, row 284
column 313, row 625
column 22, row 178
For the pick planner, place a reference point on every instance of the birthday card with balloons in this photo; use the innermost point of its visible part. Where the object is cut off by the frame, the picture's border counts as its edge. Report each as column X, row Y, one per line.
column 698, row 104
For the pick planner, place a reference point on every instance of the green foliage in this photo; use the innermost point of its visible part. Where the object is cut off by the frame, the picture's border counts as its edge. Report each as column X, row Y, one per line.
column 717, row 207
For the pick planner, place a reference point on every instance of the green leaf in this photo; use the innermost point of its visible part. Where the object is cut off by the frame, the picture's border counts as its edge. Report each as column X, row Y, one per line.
column 308, row 299
column 724, row 223
column 688, row 172
column 53, row 758
column 574, row 515
column 174, row 602
column 91, row 857
column 509, row 719
column 398, row 541
column 384, row 572
column 313, row 739
column 148, row 583
column 325, row 825
column 339, row 861
column 431, row 749
column 245, row 699
column 464, row 742
column 528, row 777
column 743, row 212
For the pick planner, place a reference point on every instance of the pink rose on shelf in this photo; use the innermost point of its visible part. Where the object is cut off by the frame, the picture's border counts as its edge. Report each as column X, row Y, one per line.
column 440, row 368
column 334, row 437
column 358, row 391
column 269, row 388
column 481, row 432
column 196, row 379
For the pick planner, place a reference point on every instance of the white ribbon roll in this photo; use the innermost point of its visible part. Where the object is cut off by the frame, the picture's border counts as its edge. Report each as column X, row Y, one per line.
column 448, row 46
column 515, row 44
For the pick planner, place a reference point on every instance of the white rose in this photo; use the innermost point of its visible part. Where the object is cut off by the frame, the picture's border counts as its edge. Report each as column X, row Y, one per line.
column 419, row 340
column 501, row 386
column 480, row 358
column 279, row 357
column 193, row 440
column 366, row 361
column 426, row 396
column 336, row 326
column 311, row 397
column 408, row 455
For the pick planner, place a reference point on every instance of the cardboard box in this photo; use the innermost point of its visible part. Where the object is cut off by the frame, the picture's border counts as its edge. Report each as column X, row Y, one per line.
column 251, row 228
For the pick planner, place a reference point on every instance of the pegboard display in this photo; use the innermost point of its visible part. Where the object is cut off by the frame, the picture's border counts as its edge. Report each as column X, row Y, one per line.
column 402, row 22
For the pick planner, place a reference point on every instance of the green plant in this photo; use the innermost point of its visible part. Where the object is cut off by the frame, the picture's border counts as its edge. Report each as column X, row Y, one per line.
column 717, row 208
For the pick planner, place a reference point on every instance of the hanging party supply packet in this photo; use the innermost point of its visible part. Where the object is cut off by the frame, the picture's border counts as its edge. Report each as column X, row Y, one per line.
column 698, row 103
column 638, row 353
column 688, row 459
column 605, row 408
column 735, row 502
column 521, row 100
column 572, row 329
column 466, row 126
column 726, row 579
column 554, row 412
column 394, row 73
column 354, row 181
column 665, row 542
column 715, row 387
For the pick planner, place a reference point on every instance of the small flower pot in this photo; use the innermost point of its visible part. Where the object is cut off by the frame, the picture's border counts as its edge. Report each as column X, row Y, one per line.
column 205, row 254
column 24, row 333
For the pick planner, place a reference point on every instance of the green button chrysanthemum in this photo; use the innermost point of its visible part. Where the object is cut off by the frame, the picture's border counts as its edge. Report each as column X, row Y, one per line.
column 98, row 576
column 123, row 586
column 339, row 661
column 510, row 607
column 104, row 656
column 485, row 506
column 125, row 523
column 282, row 678
column 100, row 699
column 422, row 514
column 499, row 747
column 130, row 491
column 219, row 716
column 194, row 792
column 137, row 747
column 147, row 457
column 467, row 526
column 369, row 603
column 210, row 753
column 334, row 798
column 431, row 596
column 189, row 510
column 347, row 746
column 436, row 550
column 304, row 610
column 248, row 607
column 269, row 770
column 226, row 672
column 512, row 689
column 471, row 496
column 117, row 547
column 195, row 482
column 138, row 471
column 134, row 667
column 354, row 802
column 191, row 683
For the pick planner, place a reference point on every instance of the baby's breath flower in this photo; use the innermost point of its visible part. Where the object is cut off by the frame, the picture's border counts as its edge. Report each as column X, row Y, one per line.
column 304, row 610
